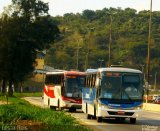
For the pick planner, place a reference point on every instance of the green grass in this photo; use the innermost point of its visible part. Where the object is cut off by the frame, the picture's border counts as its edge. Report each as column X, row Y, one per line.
column 36, row 94
column 16, row 96
column 21, row 110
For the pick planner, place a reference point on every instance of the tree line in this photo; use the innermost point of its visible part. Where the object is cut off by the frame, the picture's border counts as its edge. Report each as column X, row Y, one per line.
column 89, row 33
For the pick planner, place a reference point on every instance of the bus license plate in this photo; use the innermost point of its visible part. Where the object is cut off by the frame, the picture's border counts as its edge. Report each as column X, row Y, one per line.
column 120, row 112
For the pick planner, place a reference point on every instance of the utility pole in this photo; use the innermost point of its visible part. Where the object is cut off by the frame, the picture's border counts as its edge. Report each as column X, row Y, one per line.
column 149, row 46
column 110, row 41
column 110, row 38
column 143, row 71
column 155, row 81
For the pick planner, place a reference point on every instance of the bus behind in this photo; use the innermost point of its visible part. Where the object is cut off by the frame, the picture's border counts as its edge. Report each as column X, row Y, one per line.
column 64, row 89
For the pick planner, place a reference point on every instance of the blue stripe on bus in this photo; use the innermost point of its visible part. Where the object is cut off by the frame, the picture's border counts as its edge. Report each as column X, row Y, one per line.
column 89, row 95
column 120, row 105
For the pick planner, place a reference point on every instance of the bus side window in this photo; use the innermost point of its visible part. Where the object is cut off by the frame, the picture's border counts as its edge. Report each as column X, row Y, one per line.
column 56, row 79
column 91, row 81
column 87, row 81
column 94, row 80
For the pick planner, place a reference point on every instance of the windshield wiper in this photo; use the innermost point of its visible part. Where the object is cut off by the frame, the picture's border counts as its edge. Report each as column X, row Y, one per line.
column 127, row 95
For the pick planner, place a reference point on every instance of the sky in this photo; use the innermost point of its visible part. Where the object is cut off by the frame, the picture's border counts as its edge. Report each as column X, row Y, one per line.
column 60, row 7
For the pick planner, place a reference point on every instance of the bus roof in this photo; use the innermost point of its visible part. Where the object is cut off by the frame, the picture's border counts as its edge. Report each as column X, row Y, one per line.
column 66, row 73
column 114, row 69
column 55, row 72
column 74, row 73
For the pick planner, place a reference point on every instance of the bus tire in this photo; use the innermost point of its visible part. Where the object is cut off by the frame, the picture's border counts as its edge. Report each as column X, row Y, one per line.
column 53, row 108
column 48, row 102
column 86, row 109
column 132, row 120
column 58, row 105
column 94, row 117
column 89, row 116
column 99, row 119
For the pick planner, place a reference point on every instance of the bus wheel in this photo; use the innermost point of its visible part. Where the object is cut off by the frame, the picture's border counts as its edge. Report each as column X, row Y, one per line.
column 99, row 119
column 94, row 117
column 86, row 108
column 53, row 108
column 89, row 116
column 59, row 108
column 48, row 102
column 133, row 120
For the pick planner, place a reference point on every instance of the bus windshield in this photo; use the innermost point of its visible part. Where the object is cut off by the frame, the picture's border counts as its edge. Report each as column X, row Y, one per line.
column 132, row 87
column 118, row 86
column 53, row 79
column 73, row 86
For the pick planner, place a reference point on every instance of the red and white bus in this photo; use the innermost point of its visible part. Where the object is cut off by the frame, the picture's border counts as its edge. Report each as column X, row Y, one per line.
column 63, row 89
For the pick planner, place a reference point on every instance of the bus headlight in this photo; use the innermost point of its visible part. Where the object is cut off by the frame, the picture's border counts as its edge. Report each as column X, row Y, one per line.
column 139, row 107
column 67, row 101
column 103, row 106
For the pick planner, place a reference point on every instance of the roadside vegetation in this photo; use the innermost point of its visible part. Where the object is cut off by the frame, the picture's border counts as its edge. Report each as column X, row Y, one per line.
column 19, row 45
column 20, row 114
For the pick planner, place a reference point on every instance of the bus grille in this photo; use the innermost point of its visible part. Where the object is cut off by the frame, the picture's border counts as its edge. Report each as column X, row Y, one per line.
column 116, row 113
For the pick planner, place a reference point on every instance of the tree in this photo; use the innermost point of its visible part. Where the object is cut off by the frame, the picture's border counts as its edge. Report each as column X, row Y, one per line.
column 30, row 9
column 89, row 15
column 36, row 30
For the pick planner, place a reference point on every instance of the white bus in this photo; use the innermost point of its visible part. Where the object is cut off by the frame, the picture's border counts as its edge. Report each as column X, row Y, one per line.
column 64, row 89
column 113, row 92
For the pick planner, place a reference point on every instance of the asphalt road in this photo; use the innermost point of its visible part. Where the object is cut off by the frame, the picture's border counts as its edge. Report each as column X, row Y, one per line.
column 150, row 121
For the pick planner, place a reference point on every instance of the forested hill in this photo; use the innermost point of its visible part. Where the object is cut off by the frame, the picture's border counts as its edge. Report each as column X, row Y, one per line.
column 87, row 35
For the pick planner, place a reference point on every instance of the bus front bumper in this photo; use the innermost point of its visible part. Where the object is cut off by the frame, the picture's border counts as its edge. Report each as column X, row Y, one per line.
column 102, row 112
column 72, row 105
